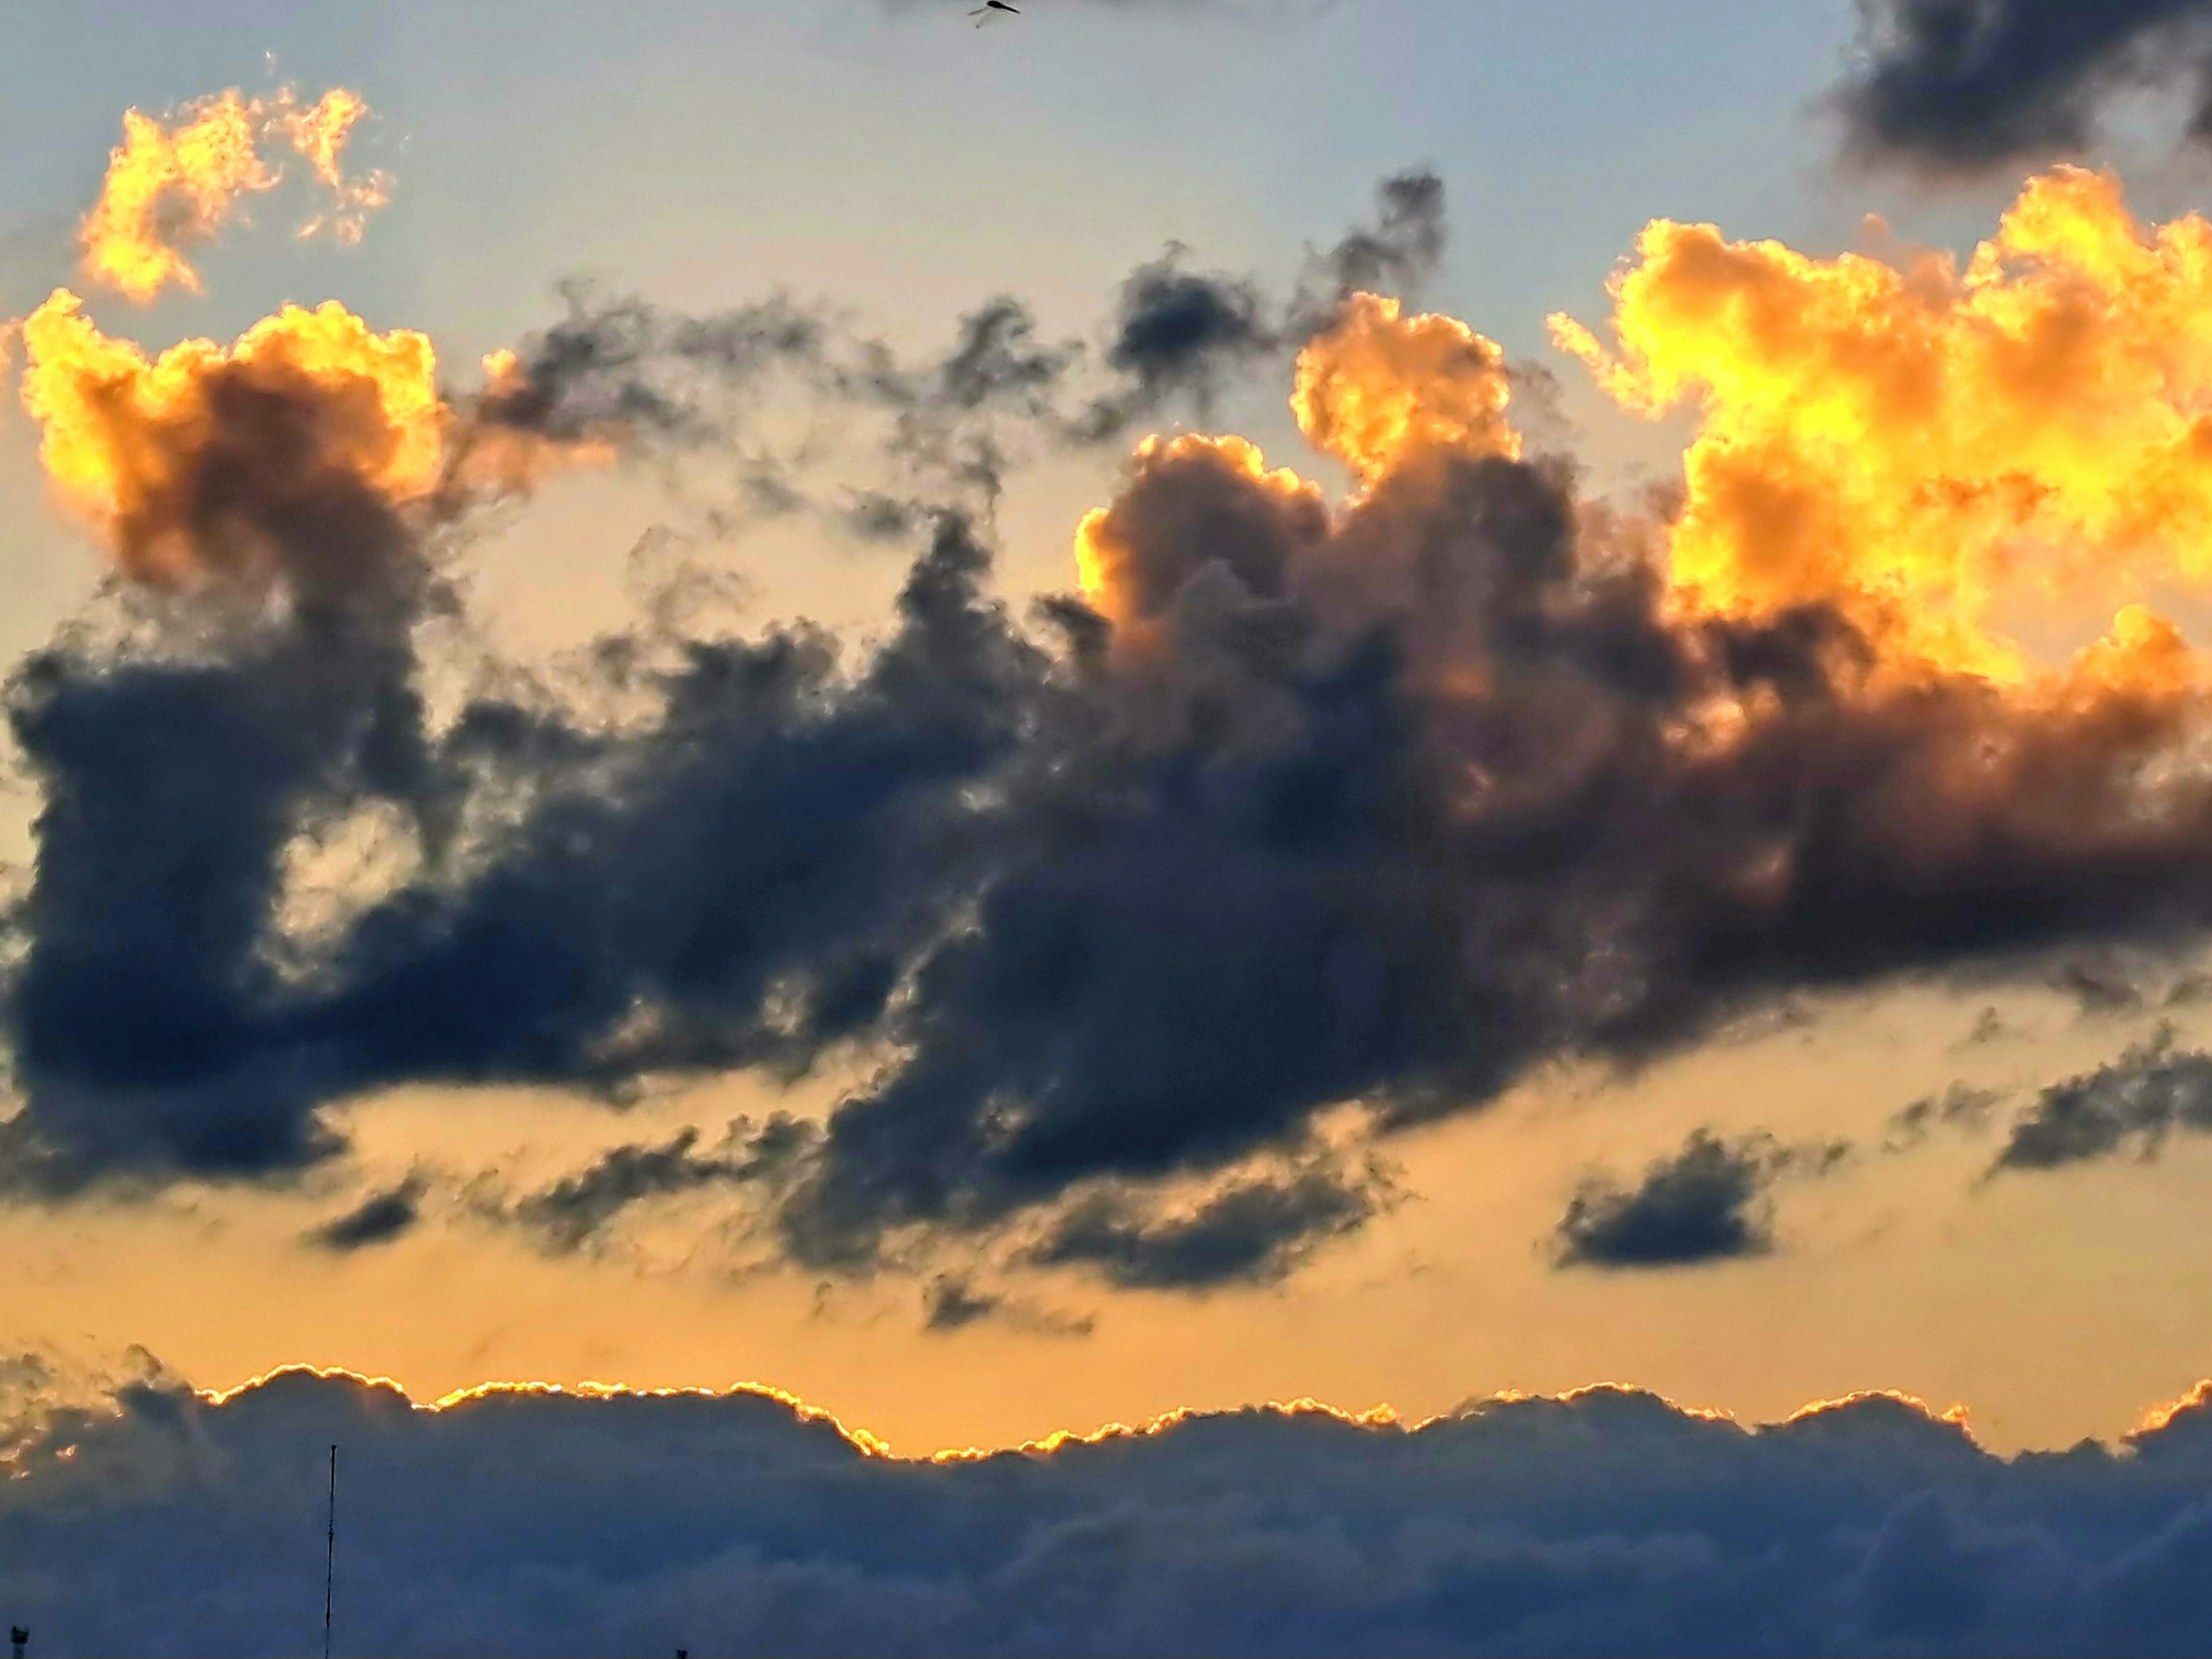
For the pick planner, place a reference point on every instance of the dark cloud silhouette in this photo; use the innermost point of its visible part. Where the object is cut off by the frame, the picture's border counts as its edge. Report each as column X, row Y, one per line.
column 2109, row 982
column 1171, row 318
column 273, row 678
column 576, row 1210
column 2099, row 986
column 377, row 1220
column 1975, row 83
column 948, row 1304
column 2145, row 1095
column 531, row 1522
column 1177, row 333
column 954, row 1302
column 1181, row 335
column 1252, row 1232
column 1403, row 248
column 617, row 369
column 1708, row 1201
column 614, row 366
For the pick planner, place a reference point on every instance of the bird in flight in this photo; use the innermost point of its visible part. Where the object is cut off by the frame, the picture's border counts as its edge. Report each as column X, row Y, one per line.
column 993, row 8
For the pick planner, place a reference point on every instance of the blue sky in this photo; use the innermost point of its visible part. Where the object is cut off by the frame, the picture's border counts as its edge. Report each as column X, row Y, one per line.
column 895, row 156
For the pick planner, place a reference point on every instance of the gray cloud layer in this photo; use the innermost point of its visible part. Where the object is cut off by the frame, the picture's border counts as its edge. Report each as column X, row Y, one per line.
column 521, row 1523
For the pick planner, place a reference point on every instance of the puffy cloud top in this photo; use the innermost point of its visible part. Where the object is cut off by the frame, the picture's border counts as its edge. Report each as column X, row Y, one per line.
column 524, row 1520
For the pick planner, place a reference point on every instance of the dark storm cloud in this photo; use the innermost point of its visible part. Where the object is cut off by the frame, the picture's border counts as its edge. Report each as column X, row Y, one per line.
column 618, row 370
column 2105, row 982
column 763, row 915
column 1172, row 318
column 1709, row 1201
column 1252, row 1232
column 175, row 770
column 377, row 1220
column 1973, row 83
column 1385, row 805
column 1605, row 1522
column 2134, row 1103
column 1178, row 332
column 2138, row 1100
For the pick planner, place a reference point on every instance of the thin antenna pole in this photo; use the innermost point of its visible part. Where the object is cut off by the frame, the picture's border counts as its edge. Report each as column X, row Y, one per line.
column 329, row 1551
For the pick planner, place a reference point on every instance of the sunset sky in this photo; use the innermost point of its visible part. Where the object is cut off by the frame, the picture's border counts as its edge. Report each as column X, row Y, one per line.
column 1178, row 704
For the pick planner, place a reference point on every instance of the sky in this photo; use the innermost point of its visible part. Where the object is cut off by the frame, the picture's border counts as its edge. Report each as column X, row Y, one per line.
column 949, row 735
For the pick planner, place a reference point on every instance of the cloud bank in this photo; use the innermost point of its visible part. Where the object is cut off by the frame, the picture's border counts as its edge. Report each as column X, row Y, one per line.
column 536, row 1522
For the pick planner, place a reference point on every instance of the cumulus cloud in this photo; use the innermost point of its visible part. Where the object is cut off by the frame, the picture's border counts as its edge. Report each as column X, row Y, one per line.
column 1301, row 804
column 1708, row 1201
column 522, row 1521
column 1975, row 83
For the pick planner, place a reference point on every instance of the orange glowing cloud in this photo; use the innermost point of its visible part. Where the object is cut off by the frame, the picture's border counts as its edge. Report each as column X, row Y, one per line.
column 1379, row 388
column 319, row 133
column 132, row 442
column 1916, row 445
column 169, row 187
column 173, row 185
